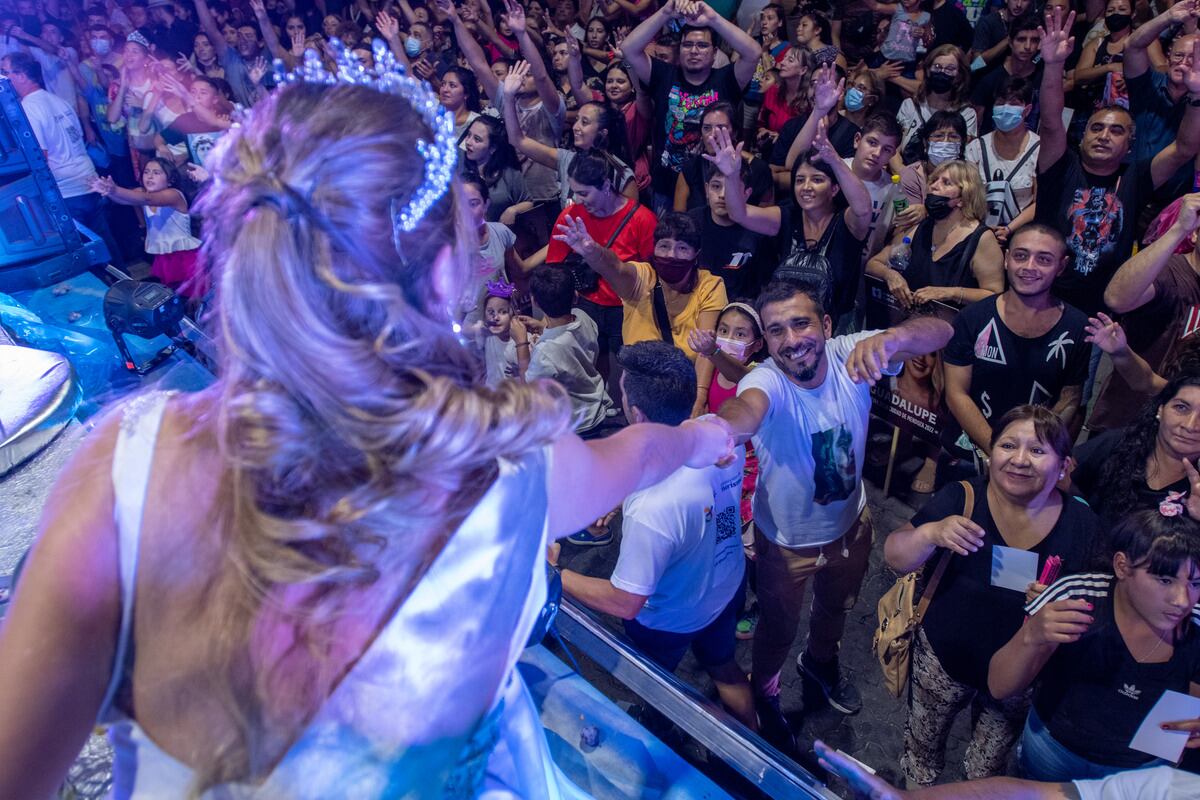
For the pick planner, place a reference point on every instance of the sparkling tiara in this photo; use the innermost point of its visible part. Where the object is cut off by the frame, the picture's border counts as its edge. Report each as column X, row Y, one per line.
column 389, row 76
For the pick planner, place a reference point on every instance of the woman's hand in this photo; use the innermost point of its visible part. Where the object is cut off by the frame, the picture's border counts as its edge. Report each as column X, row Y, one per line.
column 928, row 294
column 1060, row 622
column 899, row 288
column 712, row 441
column 387, row 25
column 298, row 44
column 820, row 143
column 102, row 185
column 574, row 234
column 955, row 533
column 1033, row 591
column 912, row 216
column 827, row 90
column 1192, row 726
column 702, row 342
column 185, row 65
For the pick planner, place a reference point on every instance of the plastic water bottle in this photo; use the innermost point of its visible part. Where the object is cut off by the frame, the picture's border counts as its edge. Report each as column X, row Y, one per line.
column 899, row 201
column 901, row 254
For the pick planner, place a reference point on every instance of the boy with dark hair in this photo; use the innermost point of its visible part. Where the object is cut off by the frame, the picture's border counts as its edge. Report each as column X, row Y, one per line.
column 678, row 582
column 728, row 250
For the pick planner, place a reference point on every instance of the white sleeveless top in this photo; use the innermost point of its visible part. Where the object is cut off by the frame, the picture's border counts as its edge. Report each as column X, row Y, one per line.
column 168, row 230
column 434, row 708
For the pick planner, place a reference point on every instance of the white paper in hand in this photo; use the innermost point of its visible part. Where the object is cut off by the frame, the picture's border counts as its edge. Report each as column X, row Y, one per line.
column 1151, row 738
column 1013, row 568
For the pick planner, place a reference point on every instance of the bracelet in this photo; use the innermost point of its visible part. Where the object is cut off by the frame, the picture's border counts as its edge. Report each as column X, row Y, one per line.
column 522, row 344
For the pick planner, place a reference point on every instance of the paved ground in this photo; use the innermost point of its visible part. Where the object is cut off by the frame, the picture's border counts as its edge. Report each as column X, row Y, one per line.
column 874, row 736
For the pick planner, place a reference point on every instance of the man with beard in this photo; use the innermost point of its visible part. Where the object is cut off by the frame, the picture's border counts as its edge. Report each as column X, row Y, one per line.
column 806, row 410
column 1022, row 346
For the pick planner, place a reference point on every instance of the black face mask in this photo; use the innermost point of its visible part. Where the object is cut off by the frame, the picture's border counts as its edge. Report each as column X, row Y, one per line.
column 937, row 206
column 1117, row 22
column 939, row 82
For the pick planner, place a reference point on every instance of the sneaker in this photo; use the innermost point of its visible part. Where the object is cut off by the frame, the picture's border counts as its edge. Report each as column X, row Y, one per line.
column 773, row 725
column 747, row 624
column 825, row 683
column 586, row 538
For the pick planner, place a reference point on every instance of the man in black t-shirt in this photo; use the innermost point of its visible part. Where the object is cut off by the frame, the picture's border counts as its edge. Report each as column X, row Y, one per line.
column 681, row 92
column 727, row 250
column 1093, row 198
column 1023, row 346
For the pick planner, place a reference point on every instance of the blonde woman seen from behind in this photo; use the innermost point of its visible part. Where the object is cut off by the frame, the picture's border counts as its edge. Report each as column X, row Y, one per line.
column 337, row 550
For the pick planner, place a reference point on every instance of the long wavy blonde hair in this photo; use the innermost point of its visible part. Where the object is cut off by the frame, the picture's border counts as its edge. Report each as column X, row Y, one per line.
column 354, row 429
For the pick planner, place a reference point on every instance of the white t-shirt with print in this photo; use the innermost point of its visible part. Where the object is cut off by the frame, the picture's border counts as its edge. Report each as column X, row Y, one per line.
column 57, row 129
column 810, row 448
column 681, row 547
column 1021, row 181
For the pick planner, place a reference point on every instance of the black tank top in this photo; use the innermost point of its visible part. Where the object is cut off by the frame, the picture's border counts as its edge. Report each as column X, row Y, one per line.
column 953, row 269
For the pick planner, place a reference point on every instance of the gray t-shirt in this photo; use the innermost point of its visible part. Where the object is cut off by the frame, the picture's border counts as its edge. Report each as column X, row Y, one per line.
column 491, row 254
column 546, row 127
column 567, row 354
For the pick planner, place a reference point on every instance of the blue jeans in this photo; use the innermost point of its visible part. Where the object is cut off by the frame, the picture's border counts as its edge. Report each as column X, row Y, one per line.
column 88, row 209
column 1043, row 758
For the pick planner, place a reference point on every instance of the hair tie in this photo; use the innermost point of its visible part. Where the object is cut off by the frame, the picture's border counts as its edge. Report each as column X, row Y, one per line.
column 1172, row 506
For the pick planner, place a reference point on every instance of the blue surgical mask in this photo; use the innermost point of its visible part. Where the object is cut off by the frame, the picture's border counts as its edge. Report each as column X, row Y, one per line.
column 1007, row 118
column 101, row 47
column 412, row 46
column 854, row 99
column 941, row 152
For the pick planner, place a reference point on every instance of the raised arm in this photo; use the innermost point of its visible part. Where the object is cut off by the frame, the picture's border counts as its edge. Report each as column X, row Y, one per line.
column 139, row 197
column 858, row 214
column 209, row 25
column 581, row 93
column 542, row 154
column 916, row 336
column 1182, row 151
column 1135, row 60
column 621, row 276
column 589, row 479
column 1133, row 284
column 1109, row 336
column 471, row 50
column 389, row 28
column 546, row 89
column 827, row 91
column 728, row 159
column 268, row 30
column 745, row 413
column 742, row 43
column 1057, row 45
column 638, row 39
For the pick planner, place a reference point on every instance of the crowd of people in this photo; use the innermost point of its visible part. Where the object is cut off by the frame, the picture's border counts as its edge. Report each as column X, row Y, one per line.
column 683, row 213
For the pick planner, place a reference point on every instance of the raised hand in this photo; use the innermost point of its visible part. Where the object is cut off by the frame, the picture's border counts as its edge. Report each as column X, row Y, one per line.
column 1183, row 10
column 702, row 14
column 515, row 15
column 1057, row 41
column 258, row 70
column 726, row 156
column 1191, row 78
column 574, row 234
column 1106, row 334
column 672, row 9
column 387, row 25
column 956, row 533
column 447, row 8
column 259, row 8
column 703, row 342
column 827, row 90
column 515, row 79
column 298, row 44
column 825, row 151
column 573, row 51
column 186, row 66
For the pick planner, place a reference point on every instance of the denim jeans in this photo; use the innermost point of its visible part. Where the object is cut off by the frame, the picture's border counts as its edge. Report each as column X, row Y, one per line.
column 1044, row 758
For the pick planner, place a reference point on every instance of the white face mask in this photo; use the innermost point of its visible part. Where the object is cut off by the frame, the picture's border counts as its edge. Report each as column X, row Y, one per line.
column 734, row 348
column 940, row 152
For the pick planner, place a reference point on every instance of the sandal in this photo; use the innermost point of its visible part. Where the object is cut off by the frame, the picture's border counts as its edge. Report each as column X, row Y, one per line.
column 924, row 480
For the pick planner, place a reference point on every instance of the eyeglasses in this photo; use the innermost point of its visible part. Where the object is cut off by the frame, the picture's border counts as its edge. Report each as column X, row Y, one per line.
column 951, row 71
column 1179, row 58
column 695, row 45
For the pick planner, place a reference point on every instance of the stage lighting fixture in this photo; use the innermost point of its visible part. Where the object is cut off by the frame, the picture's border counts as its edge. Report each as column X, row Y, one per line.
column 146, row 310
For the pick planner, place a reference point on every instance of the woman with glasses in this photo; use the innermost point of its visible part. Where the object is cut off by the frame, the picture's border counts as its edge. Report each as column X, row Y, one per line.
column 941, row 86
column 941, row 139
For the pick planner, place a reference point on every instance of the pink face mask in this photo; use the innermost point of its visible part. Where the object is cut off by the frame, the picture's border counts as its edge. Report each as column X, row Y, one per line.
column 734, row 348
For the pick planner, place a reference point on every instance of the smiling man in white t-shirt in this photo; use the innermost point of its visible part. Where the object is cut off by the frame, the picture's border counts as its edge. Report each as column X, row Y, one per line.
column 806, row 409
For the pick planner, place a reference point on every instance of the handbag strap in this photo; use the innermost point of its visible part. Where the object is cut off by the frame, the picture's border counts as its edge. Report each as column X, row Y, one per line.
column 633, row 206
column 944, row 561
column 661, row 318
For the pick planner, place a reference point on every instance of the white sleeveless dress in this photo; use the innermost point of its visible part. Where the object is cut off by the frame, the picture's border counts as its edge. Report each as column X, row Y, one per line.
column 433, row 709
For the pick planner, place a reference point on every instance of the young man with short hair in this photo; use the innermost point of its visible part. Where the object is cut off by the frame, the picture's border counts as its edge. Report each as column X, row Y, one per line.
column 681, row 92
column 1022, row 346
column 731, row 252
column 806, row 409
column 678, row 582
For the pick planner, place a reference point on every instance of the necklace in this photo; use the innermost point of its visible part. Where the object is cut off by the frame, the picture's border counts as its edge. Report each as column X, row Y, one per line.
column 1149, row 655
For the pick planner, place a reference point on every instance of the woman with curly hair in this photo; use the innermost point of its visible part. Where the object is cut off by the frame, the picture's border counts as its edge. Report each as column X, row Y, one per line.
column 1141, row 465
column 313, row 579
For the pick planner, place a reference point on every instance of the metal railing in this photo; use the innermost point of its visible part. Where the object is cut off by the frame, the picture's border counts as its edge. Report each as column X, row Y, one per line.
column 705, row 721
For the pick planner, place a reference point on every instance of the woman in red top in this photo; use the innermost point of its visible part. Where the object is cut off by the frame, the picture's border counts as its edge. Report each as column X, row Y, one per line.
column 628, row 96
column 788, row 97
column 620, row 224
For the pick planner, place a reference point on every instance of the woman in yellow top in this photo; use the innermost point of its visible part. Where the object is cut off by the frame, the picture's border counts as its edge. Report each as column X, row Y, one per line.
column 665, row 299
